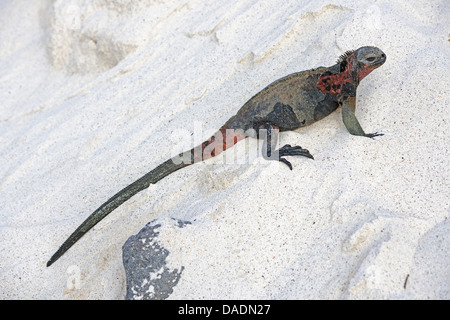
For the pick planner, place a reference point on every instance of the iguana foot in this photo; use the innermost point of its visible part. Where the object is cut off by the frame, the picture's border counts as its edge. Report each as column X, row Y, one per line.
column 288, row 150
column 372, row 135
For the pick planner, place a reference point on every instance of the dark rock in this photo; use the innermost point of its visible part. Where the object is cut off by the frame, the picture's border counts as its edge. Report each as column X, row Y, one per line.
column 144, row 259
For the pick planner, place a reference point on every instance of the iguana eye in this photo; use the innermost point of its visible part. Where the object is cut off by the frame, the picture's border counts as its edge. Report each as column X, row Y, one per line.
column 370, row 59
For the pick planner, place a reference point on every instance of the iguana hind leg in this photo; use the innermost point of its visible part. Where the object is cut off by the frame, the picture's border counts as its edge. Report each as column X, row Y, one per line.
column 270, row 133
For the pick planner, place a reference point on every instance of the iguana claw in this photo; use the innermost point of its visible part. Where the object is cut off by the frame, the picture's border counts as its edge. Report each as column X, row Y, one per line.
column 288, row 150
column 372, row 135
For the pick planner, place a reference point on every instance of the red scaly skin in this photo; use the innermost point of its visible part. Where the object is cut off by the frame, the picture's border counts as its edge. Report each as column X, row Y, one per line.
column 226, row 138
column 364, row 71
column 334, row 83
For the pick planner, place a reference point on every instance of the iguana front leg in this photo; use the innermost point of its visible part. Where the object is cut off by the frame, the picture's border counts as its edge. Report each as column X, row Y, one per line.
column 270, row 133
column 350, row 121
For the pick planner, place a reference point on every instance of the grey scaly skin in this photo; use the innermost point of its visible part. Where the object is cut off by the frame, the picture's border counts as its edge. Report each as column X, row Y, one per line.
column 289, row 103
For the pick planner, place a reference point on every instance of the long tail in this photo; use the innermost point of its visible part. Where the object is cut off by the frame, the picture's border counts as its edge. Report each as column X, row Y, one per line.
column 222, row 140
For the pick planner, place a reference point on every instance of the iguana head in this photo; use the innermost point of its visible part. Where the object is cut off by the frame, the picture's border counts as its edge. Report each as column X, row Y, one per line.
column 368, row 59
column 351, row 68
column 361, row 62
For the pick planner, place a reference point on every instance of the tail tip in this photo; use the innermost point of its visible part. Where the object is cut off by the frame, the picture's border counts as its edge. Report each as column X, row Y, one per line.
column 52, row 260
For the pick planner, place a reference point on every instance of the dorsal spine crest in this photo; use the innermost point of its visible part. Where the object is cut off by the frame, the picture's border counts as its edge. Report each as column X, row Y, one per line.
column 344, row 56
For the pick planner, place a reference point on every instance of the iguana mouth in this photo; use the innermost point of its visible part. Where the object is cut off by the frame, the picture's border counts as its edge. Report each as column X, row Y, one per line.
column 380, row 61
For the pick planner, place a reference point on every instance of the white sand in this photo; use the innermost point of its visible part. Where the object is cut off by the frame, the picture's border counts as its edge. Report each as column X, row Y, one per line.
column 96, row 93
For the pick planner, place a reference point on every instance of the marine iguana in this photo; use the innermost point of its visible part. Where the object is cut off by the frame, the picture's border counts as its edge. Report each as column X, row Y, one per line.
column 294, row 101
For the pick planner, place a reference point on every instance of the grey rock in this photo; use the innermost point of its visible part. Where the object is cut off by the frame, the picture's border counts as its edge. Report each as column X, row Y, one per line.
column 144, row 259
